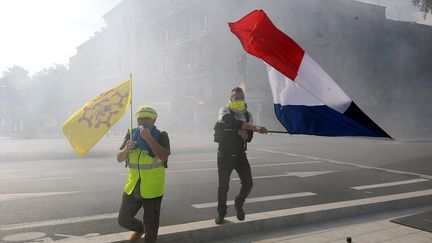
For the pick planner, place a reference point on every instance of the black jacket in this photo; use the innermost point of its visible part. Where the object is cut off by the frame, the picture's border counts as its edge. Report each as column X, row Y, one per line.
column 231, row 142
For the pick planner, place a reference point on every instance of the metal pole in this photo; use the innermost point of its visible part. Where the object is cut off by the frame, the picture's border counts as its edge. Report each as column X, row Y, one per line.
column 270, row 131
column 131, row 114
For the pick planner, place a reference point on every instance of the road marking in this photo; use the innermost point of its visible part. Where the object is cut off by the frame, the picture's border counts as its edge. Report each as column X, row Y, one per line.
column 262, row 165
column 258, row 199
column 348, row 163
column 389, row 184
column 191, row 161
column 55, row 178
column 201, row 160
column 263, row 177
column 58, row 222
column 298, row 174
column 208, row 224
column 309, row 173
column 26, row 179
column 17, row 196
column 288, row 163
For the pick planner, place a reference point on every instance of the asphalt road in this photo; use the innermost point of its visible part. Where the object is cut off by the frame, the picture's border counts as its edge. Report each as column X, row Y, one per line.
column 48, row 194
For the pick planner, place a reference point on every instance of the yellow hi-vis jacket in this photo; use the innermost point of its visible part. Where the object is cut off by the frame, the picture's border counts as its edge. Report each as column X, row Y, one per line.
column 150, row 170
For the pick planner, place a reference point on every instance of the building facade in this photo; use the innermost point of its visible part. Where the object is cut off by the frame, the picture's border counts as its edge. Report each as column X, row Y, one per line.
column 184, row 60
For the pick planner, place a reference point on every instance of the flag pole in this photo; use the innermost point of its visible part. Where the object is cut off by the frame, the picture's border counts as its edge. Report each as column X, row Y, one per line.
column 268, row 131
column 271, row 131
column 131, row 114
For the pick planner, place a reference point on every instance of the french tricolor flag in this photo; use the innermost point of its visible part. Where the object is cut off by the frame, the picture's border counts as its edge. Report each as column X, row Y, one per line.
column 306, row 99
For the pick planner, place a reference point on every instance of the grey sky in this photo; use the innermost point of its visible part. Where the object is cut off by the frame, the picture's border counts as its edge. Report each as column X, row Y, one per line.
column 401, row 10
column 38, row 34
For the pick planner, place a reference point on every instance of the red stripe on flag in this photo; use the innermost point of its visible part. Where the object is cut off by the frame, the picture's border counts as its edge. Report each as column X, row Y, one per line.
column 262, row 39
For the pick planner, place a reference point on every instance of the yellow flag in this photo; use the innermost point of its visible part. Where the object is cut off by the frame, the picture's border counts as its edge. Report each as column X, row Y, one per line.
column 90, row 123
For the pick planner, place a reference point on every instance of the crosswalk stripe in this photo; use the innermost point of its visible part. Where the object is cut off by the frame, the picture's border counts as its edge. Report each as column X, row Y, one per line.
column 258, row 199
column 396, row 183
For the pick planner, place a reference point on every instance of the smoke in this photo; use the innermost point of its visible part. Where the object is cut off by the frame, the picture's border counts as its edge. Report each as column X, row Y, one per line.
column 184, row 62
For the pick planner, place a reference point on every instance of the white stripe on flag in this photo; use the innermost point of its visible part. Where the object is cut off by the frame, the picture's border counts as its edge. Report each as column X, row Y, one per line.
column 316, row 81
column 287, row 92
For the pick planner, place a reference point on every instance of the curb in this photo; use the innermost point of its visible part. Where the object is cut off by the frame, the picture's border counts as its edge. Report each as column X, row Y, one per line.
column 232, row 227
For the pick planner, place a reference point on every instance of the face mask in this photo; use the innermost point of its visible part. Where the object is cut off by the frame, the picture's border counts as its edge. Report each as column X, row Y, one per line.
column 239, row 105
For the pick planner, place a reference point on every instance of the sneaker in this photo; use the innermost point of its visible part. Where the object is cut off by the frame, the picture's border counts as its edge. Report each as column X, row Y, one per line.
column 219, row 219
column 135, row 236
column 240, row 212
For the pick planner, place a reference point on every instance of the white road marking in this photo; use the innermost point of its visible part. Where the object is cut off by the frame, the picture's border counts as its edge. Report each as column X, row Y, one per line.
column 17, row 196
column 263, row 177
column 288, row 163
column 202, row 160
column 258, row 199
column 309, row 173
column 389, row 184
column 348, row 163
column 261, row 165
column 58, row 222
column 207, row 224
column 298, row 174
column 26, row 179
column 191, row 161
column 55, row 178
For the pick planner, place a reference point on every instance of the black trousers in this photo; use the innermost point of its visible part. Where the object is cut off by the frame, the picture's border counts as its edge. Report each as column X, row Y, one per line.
column 129, row 208
column 226, row 164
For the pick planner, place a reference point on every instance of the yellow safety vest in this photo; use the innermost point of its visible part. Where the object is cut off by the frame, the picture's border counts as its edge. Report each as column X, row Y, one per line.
column 149, row 170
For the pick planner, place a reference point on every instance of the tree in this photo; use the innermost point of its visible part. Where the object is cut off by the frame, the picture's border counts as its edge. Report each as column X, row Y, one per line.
column 424, row 5
column 50, row 102
column 16, row 85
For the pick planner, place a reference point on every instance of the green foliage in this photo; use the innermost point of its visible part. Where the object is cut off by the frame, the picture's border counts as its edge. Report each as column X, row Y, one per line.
column 424, row 5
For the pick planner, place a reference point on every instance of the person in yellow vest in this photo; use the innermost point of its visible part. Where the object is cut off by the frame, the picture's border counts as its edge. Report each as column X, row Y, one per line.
column 146, row 155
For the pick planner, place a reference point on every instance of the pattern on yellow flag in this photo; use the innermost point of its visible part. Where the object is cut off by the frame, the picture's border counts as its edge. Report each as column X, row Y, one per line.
column 90, row 123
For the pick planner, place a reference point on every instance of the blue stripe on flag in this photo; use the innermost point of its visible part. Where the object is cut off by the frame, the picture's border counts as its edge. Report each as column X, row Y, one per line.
column 320, row 120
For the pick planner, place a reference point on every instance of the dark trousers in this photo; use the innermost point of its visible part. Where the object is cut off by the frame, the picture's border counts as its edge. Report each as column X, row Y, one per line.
column 129, row 208
column 226, row 164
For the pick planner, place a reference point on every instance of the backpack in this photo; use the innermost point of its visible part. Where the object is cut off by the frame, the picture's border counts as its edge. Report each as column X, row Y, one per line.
column 219, row 128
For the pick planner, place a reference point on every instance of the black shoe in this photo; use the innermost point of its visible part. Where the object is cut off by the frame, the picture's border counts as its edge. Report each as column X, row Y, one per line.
column 219, row 219
column 240, row 212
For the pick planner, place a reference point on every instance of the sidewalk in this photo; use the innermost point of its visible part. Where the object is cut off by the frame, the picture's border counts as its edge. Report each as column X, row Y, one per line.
column 367, row 229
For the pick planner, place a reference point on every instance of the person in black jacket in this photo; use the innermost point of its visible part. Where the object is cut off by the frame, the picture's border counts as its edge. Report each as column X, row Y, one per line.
column 233, row 130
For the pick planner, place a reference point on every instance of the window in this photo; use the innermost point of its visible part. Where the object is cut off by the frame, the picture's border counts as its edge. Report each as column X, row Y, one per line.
column 166, row 36
column 189, row 28
column 203, row 23
column 204, row 56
